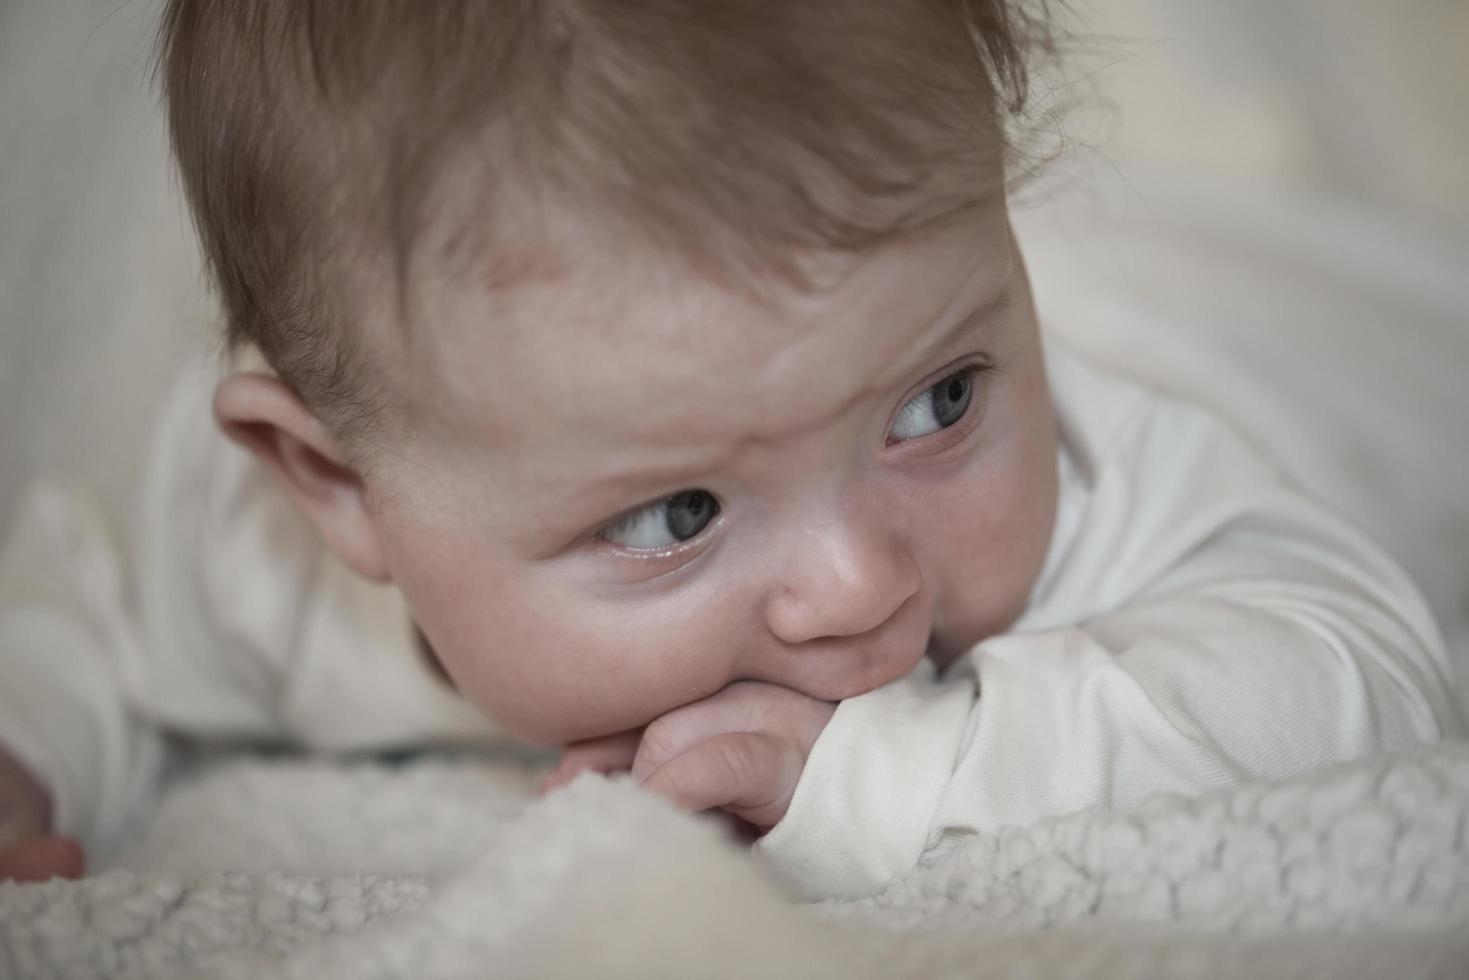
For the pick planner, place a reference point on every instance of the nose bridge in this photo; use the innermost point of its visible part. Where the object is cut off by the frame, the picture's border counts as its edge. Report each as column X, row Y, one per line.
column 848, row 569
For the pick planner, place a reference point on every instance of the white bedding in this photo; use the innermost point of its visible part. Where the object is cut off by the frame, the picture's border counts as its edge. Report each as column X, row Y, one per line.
column 444, row 868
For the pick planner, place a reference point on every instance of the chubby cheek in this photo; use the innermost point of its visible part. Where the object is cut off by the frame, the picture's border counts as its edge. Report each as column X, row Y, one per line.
column 991, row 526
column 549, row 663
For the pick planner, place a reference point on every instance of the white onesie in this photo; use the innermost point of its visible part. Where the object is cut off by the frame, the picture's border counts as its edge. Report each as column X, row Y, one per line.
column 1198, row 622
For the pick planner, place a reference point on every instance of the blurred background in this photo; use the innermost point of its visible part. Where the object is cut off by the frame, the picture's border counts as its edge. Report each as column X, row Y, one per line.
column 1309, row 145
column 1366, row 99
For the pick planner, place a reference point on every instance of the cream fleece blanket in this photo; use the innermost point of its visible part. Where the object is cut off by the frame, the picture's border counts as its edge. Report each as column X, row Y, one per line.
column 452, row 868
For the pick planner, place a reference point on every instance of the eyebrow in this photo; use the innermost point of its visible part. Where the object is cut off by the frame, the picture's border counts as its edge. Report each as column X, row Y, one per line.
column 995, row 302
column 984, row 312
column 634, row 482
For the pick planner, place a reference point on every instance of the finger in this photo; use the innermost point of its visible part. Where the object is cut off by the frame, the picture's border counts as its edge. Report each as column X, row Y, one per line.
column 41, row 859
column 22, row 817
column 747, row 773
column 613, row 753
column 735, row 708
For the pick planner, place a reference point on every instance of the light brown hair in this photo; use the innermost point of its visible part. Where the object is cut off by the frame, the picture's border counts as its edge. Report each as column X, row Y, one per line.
column 315, row 136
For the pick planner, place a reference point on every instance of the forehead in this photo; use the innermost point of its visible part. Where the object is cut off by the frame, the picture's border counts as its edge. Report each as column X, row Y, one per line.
column 642, row 352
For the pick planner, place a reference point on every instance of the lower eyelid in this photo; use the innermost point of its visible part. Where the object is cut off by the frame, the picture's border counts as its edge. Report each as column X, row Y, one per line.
column 644, row 567
column 670, row 551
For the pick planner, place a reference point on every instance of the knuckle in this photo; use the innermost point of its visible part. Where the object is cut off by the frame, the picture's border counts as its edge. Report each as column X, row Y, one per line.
column 737, row 758
column 659, row 742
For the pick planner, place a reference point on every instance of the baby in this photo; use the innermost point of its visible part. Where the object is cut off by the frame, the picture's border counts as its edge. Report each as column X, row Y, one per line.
column 661, row 379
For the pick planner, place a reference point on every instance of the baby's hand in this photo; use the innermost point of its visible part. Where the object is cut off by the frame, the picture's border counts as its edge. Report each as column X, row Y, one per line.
column 26, row 853
column 609, row 754
column 740, row 750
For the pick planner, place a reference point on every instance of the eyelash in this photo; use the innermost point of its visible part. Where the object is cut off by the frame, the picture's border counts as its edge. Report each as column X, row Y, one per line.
column 646, row 565
column 981, row 373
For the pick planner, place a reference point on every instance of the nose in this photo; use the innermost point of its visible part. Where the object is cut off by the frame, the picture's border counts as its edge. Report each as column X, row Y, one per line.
column 847, row 577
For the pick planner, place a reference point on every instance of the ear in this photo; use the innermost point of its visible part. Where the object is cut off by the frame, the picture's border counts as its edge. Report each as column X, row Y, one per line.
column 265, row 416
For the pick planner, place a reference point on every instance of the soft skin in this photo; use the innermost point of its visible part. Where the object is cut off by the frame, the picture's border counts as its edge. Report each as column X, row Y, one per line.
column 845, row 548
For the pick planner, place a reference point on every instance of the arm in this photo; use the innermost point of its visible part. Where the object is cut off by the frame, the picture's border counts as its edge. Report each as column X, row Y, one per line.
column 79, row 760
column 97, row 643
column 1244, row 634
column 228, row 620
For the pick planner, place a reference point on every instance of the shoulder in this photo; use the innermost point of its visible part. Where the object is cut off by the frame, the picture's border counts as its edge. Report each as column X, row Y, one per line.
column 1113, row 427
column 1150, row 483
column 221, row 551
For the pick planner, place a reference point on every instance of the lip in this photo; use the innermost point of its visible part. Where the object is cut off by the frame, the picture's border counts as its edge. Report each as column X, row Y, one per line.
column 840, row 673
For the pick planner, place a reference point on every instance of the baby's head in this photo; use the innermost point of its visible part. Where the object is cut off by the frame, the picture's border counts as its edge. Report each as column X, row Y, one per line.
column 646, row 345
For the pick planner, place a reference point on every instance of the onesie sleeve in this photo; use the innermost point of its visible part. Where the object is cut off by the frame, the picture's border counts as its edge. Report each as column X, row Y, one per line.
column 105, row 648
column 66, row 645
column 1205, row 625
column 227, row 620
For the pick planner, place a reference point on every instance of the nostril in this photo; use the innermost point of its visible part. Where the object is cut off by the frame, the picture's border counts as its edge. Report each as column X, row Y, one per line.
column 837, row 608
column 846, row 575
column 797, row 619
column 834, row 667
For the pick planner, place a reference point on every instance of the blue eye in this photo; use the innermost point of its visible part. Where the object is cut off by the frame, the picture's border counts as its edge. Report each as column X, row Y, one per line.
column 664, row 524
column 938, row 406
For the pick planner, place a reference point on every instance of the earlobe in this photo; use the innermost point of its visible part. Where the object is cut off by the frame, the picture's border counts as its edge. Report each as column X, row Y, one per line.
column 267, row 417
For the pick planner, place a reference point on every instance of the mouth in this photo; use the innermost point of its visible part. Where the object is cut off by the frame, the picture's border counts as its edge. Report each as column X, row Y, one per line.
column 837, row 668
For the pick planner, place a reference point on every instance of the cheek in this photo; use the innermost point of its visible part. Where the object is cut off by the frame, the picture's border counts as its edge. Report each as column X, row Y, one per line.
column 992, row 523
column 547, row 661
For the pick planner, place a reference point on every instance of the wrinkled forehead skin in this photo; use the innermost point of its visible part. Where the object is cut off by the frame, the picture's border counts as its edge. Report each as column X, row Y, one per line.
column 606, row 349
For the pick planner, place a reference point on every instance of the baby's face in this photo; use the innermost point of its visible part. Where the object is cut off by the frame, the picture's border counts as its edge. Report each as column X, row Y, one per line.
column 628, row 487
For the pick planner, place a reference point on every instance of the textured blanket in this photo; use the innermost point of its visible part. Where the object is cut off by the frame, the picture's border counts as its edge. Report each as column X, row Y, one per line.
column 451, row 868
